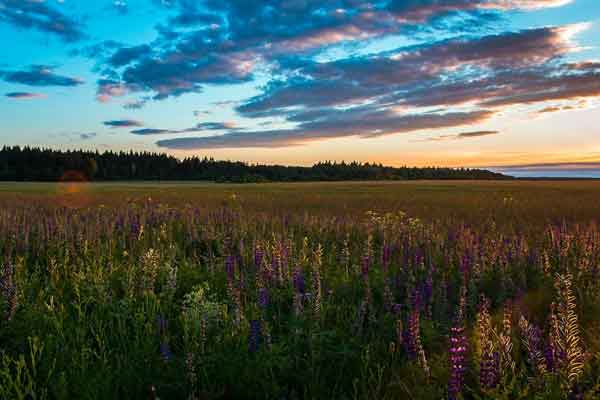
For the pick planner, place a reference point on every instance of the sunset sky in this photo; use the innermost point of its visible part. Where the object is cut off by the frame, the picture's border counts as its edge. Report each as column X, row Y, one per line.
column 418, row 82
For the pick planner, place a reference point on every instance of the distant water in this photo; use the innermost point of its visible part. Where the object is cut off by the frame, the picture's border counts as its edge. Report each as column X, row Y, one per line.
column 551, row 173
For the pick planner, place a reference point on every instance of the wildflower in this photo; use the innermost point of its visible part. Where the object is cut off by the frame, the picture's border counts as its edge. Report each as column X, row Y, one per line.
column 298, row 280
column 392, row 348
column 458, row 350
column 568, row 330
column 165, row 351
column 230, row 268
column 388, row 296
column 412, row 335
column 171, row 284
column 255, row 336
column 263, row 298
column 549, row 356
column 8, row 291
column 531, row 337
column 505, row 343
column 399, row 332
column 148, row 271
column 489, row 359
column 190, row 369
column 162, row 325
column 316, row 284
column 386, row 256
column 258, row 256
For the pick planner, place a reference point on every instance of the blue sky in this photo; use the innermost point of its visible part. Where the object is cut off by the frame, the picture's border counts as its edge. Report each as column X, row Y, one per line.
column 419, row 82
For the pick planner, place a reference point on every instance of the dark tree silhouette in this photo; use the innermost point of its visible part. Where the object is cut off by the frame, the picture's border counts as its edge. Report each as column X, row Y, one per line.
column 36, row 164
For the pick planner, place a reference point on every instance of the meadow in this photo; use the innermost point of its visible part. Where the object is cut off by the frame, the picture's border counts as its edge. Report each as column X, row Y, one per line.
column 358, row 290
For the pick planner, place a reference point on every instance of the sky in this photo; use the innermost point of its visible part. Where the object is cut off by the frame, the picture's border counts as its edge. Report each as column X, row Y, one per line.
column 512, row 85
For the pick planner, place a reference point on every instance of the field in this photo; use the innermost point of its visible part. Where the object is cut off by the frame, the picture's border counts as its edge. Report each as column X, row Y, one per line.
column 362, row 290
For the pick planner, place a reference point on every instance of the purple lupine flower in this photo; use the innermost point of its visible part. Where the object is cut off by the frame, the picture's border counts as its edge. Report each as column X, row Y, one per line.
column 458, row 350
column 258, row 256
column 263, row 298
column 165, row 351
column 428, row 287
column 386, row 256
column 316, row 290
column 8, row 291
column 549, row 356
column 299, row 283
column 532, row 339
column 366, row 261
column 255, row 336
column 416, row 299
column 388, row 296
column 230, row 268
column 276, row 267
column 396, row 308
column 162, row 325
column 412, row 334
column 489, row 369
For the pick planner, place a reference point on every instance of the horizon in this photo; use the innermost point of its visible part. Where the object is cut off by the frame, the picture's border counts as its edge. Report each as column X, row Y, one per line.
column 510, row 86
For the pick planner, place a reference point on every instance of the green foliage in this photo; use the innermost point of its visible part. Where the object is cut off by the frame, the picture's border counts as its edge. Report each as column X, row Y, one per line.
column 126, row 298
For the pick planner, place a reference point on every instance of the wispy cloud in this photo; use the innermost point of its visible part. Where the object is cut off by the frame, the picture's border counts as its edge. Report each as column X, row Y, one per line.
column 87, row 136
column 24, row 95
column 39, row 15
column 39, row 75
column 366, row 124
column 461, row 136
column 123, row 123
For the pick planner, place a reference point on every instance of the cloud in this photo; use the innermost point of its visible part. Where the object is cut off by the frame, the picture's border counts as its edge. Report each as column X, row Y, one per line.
column 366, row 123
column 215, row 126
column 87, row 136
column 395, row 73
column 108, row 89
column 151, row 131
column 24, row 95
column 38, row 15
column 123, row 123
column 135, row 104
column 461, row 136
column 125, row 55
column 39, row 75
column 217, row 42
column 204, row 126
column 553, row 166
column 569, row 107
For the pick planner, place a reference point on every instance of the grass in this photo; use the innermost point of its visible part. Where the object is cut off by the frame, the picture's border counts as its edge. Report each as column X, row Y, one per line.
column 358, row 290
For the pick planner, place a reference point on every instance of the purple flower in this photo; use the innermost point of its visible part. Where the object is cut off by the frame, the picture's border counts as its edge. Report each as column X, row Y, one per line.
column 162, row 325
column 365, row 267
column 258, row 257
column 412, row 334
column 549, row 355
column 255, row 336
column 489, row 369
column 457, row 356
column 230, row 268
column 263, row 297
column 299, row 283
column 165, row 351
column 386, row 256
column 8, row 291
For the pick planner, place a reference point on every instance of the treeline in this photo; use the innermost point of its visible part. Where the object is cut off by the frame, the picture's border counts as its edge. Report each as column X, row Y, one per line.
column 36, row 164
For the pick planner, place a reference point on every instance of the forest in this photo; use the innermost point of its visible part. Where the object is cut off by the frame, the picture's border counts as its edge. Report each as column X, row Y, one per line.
column 47, row 165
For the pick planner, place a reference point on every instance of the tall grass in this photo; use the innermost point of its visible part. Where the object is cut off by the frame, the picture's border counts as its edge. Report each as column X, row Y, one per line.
column 139, row 299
